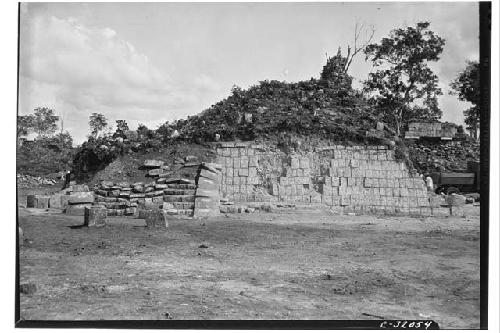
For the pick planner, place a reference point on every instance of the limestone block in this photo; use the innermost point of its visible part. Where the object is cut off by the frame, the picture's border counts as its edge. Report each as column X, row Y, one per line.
column 151, row 164
column 55, row 201
column 200, row 192
column 455, row 200
column 294, row 161
column 253, row 180
column 31, row 201
column 243, row 172
column 425, row 211
column 95, row 216
column 304, row 163
column 76, row 210
column 42, row 201
column 423, row 202
column 84, row 197
column 216, row 177
column 242, row 151
column 157, row 199
column 234, row 152
column 253, row 161
column 79, row 188
column 226, row 144
column 345, row 200
column 155, row 218
column 244, row 162
column 274, row 189
column 206, row 183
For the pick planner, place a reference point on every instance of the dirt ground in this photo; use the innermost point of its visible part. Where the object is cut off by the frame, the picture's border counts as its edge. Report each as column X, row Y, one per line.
column 300, row 264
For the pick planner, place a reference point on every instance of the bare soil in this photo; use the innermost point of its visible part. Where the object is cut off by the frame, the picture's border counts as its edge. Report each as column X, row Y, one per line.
column 300, row 264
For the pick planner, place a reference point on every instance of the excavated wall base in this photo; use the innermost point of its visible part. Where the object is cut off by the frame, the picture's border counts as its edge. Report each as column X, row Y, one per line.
column 362, row 179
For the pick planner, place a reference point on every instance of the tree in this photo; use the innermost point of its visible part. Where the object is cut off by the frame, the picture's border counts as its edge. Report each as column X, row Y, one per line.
column 121, row 126
column 24, row 125
column 405, row 88
column 44, row 121
column 144, row 132
column 357, row 47
column 466, row 86
column 335, row 71
column 97, row 123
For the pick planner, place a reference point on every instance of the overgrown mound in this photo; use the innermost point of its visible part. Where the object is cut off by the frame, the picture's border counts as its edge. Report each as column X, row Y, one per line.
column 117, row 160
column 45, row 156
column 327, row 108
column 273, row 111
column 272, row 108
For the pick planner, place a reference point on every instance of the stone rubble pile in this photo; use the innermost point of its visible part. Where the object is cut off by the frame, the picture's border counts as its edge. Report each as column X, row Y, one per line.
column 27, row 181
column 443, row 156
column 173, row 190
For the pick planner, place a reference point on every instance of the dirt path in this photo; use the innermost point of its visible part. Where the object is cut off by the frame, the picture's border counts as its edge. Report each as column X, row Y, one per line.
column 297, row 265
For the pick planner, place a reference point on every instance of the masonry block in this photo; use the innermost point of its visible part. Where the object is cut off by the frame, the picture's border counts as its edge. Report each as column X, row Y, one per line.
column 95, row 216
column 304, row 163
column 253, row 161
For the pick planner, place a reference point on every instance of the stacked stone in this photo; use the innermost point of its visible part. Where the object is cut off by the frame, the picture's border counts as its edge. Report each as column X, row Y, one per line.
column 208, row 180
column 73, row 200
column 296, row 185
column 122, row 198
column 179, row 188
column 435, row 130
column 179, row 197
column 154, row 217
column 370, row 180
column 239, row 162
column 168, row 190
column 347, row 178
column 38, row 201
column 77, row 199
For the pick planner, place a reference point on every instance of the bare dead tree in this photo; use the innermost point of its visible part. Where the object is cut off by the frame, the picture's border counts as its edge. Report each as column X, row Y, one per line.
column 359, row 46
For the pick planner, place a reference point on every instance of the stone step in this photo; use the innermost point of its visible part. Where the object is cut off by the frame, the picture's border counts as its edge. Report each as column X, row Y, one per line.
column 131, row 211
column 183, row 205
column 182, row 186
column 179, row 213
column 178, row 198
column 178, row 192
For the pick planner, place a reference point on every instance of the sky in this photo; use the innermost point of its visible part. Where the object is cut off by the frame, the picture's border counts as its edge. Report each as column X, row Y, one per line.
column 154, row 62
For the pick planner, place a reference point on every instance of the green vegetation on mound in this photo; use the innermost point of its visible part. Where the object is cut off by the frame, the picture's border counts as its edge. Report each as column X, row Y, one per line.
column 45, row 155
column 264, row 111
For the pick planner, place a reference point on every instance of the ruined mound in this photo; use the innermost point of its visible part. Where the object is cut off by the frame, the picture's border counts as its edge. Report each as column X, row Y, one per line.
column 127, row 167
column 270, row 108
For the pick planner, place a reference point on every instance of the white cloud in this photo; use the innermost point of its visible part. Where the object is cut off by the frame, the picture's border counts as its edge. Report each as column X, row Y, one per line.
column 78, row 70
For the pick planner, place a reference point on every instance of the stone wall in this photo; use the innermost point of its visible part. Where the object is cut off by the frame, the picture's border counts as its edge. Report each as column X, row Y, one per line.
column 364, row 179
column 432, row 130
